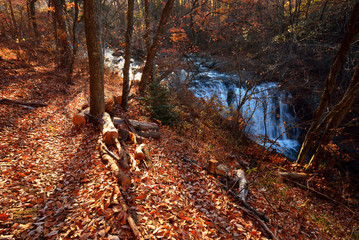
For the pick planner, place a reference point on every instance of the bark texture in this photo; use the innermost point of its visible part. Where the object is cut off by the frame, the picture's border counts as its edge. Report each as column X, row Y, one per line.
column 312, row 134
column 94, row 42
column 126, row 67
column 153, row 49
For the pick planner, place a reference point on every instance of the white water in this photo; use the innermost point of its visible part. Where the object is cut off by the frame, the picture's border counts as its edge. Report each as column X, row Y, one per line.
column 267, row 113
column 116, row 65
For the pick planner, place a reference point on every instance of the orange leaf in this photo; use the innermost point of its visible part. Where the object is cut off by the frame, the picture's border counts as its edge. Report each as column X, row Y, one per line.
column 142, row 196
column 4, row 217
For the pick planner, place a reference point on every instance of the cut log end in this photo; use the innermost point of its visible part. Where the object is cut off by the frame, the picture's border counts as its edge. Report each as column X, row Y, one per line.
column 211, row 168
column 140, row 155
column 109, row 136
column 78, row 120
column 81, row 117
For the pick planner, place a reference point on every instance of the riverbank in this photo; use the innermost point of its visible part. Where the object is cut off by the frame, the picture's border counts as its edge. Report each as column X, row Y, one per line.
column 54, row 185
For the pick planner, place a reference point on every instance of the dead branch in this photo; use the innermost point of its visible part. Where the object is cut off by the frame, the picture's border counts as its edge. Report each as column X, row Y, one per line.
column 15, row 102
column 293, row 175
column 263, row 225
column 323, row 195
column 122, row 178
column 130, row 220
column 141, row 126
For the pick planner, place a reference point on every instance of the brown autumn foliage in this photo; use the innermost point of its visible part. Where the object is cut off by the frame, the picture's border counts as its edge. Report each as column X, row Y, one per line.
column 54, row 185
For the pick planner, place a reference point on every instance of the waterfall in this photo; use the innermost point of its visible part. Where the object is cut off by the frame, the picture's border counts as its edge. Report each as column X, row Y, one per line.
column 116, row 63
column 267, row 112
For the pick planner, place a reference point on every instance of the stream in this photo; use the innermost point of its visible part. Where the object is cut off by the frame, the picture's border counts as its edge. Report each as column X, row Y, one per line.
column 267, row 111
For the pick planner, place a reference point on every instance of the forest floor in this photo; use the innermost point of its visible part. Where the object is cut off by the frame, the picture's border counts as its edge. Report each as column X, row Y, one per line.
column 53, row 184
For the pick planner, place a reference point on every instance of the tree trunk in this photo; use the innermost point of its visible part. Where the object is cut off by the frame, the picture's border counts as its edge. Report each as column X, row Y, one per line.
column 63, row 37
column 352, row 31
column 153, row 49
column 323, row 10
column 147, row 35
column 32, row 12
column 13, row 19
column 70, row 69
column 336, row 116
column 93, row 41
column 307, row 11
column 126, row 67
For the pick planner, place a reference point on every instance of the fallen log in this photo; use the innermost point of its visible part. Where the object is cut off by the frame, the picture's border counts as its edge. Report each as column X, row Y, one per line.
column 109, row 132
column 81, row 117
column 212, row 165
column 149, row 134
column 130, row 220
column 107, row 156
column 141, row 126
column 263, row 225
column 16, row 102
column 148, row 158
column 240, row 178
column 293, row 175
column 123, row 156
column 139, row 154
column 260, row 217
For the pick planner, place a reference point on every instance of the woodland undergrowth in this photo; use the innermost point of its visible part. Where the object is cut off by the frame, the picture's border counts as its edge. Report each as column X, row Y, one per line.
column 54, row 185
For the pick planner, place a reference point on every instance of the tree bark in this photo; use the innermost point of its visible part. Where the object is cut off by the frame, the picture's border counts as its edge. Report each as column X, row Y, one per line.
column 122, row 178
column 74, row 45
column 336, row 116
column 126, row 67
column 141, row 126
column 32, row 11
column 13, row 19
column 63, row 43
column 352, row 31
column 153, row 49
column 94, row 49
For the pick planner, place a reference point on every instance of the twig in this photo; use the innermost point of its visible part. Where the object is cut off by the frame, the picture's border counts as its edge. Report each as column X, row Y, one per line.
column 130, row 220
column 264, row 226
column 31, row 104
column 250, row 208
column 323, row 195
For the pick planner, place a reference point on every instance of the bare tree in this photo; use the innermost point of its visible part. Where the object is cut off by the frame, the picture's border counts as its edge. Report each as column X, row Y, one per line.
column 153, row 49
column 315, row 128
column 126, row 67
